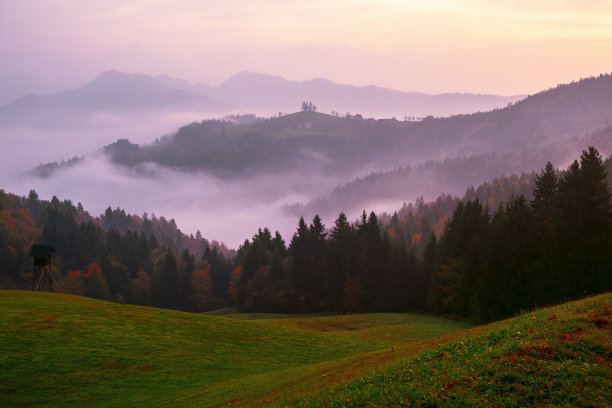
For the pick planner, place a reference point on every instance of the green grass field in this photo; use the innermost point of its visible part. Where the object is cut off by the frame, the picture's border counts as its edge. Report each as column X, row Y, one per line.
column 554, row 357
column 69, row 351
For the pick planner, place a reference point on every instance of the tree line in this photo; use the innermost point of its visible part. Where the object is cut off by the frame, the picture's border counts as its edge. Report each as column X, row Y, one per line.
column 485, row 265
column 479, row 258
column 117, row 256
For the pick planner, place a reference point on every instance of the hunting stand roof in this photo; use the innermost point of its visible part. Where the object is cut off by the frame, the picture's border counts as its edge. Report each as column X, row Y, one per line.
column 41, row 254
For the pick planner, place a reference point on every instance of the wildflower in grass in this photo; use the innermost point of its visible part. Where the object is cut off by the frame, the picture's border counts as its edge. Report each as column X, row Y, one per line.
column 348, row 400
column 533, row 317
column 324, row 404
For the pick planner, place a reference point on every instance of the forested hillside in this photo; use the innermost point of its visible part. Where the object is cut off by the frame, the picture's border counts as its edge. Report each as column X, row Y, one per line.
column 117, row 256
column 450, row 175
column 487, row 263
column 508, row 245
column 339, row 143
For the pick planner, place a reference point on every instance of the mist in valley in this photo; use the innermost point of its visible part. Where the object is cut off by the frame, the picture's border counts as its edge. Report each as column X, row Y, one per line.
column 68, row 89
column 227, row 209
column 228, row 180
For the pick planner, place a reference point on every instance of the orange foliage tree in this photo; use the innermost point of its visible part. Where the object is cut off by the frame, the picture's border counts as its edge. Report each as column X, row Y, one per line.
column 96, row 284
column 73, row 283
column 141, row 288
column 202, row 294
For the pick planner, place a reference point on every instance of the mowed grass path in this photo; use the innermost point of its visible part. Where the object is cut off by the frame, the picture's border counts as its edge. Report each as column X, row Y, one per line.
column 69, row 351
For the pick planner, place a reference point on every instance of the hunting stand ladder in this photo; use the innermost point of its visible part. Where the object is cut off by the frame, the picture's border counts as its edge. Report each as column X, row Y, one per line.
column 42, row 278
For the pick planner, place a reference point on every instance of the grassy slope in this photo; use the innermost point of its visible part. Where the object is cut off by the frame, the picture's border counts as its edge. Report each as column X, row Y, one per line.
column 558, row 356
column 60, row 350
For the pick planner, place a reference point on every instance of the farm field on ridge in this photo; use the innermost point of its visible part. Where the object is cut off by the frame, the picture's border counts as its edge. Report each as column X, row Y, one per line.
column 85, row 352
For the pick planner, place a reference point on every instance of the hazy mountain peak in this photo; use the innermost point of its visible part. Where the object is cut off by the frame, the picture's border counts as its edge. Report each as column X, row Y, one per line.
column 251, row 78
column 268, row 94
column 114, row 76
column 111, row 91
column 16, row 86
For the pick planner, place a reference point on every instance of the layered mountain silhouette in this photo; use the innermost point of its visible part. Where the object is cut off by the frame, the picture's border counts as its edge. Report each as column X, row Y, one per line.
column 125, row 94
column 16, row 86
column 259, row 92
column 112, row 91
column 330, row 143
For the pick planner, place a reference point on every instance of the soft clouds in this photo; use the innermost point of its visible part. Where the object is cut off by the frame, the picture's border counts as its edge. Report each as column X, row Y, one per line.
column 434, row 46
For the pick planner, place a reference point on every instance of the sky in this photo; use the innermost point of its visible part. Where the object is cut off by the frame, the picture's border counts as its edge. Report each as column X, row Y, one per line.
column 503, row 47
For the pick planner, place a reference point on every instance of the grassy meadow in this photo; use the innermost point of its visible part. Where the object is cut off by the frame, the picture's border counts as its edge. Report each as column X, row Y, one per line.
column 553, row 357
column 69, row 351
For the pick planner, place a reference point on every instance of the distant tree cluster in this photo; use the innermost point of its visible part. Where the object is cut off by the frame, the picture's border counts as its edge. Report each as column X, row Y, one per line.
column 308, row 107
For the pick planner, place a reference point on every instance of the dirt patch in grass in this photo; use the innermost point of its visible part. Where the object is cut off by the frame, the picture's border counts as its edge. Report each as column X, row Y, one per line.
column 141, row 315
column 540, row 352
column 600, row 318
column 571, row 337
column 42, row 322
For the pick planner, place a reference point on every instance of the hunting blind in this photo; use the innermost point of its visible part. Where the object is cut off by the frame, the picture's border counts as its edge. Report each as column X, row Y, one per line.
column 42, row 279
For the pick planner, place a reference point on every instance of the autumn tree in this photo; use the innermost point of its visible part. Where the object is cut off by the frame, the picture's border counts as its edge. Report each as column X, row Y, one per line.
column 202, row 292
column 95, row 282
column 141, row 288
column 73, row 283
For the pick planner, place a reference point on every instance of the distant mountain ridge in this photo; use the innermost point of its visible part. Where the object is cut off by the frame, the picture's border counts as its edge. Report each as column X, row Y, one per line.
column 17, row 86
column 111, row 91
column 126, row 93
column 274, row 93
column 337, row 144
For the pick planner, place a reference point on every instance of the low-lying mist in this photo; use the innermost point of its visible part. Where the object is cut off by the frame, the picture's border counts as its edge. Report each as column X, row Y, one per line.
column 225, row 209
column 230, row 208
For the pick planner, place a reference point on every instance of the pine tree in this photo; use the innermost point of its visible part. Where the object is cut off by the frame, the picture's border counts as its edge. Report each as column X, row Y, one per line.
column 299, row 249
column 462, row 255
column 584, row 229
column 166, row 286
column 341, row 261
column 545, row 193
column 506, row 283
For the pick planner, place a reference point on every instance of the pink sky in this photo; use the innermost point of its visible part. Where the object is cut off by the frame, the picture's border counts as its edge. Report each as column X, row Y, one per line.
column 504, row 47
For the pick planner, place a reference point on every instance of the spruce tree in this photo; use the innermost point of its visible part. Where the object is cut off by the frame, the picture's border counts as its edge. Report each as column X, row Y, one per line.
column 583, row 234
column 341, row 261
column 544, row 193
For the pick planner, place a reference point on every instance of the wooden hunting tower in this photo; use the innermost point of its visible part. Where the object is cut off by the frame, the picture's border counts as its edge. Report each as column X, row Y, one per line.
column 42, row 279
